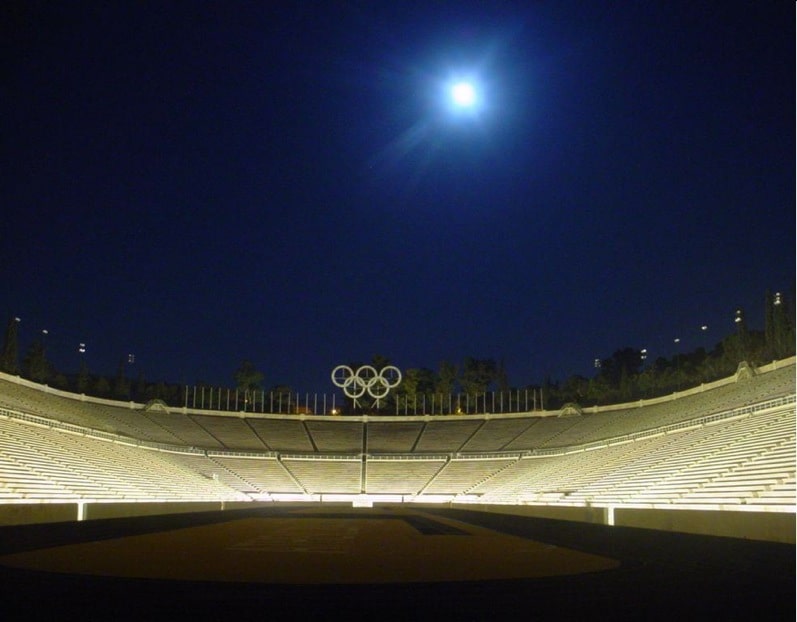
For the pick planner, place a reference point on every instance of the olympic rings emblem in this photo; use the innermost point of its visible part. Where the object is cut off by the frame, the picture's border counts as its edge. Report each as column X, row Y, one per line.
column 366, row 379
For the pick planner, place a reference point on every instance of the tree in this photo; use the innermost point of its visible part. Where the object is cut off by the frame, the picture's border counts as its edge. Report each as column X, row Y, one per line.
column 778, row 328
column 446, row 378
column 10, row 355
column 598, row 391
column 35, row 365
column 574, row 389
column 477, row 376
column 621, row 366
column 646, row 382
column 121, row 386
column 418, row 381
column 247, row 377
column 102, row 387
column 501, row 377
column 379, row 362
column 769, row 323
column 140, row 389
column 60, row 382
column 83, row 380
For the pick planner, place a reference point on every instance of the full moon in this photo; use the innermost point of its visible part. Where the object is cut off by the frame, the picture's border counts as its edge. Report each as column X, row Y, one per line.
column 463, row 94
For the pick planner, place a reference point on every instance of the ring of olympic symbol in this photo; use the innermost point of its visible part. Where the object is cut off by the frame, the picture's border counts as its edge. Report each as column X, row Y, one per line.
column 365, row 379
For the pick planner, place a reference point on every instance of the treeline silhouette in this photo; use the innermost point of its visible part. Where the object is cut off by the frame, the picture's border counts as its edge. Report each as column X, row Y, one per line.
column 624, row 376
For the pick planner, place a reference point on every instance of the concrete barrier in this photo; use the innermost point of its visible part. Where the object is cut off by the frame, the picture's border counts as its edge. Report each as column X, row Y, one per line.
column 767, row 526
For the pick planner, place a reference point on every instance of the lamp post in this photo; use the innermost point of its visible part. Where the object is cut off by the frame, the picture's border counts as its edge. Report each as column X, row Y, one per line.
column 742, row 331
column 131, row 359
column 82, row 382
column 741, row 326
column 777, row 321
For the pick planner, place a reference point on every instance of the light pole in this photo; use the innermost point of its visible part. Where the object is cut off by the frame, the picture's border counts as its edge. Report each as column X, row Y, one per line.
column 777, row 322
column 742, row 331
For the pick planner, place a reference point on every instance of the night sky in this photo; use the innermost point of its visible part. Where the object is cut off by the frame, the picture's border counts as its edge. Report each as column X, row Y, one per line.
column 199, row 183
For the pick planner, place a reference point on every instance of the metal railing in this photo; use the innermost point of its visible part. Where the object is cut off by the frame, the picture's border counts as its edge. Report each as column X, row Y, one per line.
column 220, row 399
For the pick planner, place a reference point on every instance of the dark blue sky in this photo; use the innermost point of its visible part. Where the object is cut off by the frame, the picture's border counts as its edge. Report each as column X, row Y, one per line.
column 199, row 183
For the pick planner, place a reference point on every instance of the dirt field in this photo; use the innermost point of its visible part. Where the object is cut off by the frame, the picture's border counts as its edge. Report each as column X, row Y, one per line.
column 392, row 562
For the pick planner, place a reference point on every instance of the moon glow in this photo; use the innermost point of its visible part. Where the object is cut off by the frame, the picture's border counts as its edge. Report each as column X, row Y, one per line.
column 463, row 94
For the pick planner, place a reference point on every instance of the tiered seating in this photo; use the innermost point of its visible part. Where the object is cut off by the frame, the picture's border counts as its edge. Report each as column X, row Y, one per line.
column 185, row 428
column 446, row 435
column 336, row 436
column 542, row 431
column 22, row 480
column 262, row 475
column 343, row 475
column 496, row 434
column 627, row 421
column 119, row 419
column 401, row 476
column 137, row 424
column 283, row 434
column 555, row 476
column 681, row 467
column 782, row 494
column 231, row 432
column 462, row 475
column 396, row 437
column 762, row 461
column 51, row 464
column 589, row 427
column 690, row 452
column 209, row 469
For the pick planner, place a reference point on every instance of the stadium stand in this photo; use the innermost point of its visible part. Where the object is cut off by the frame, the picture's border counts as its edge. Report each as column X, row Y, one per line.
column 463, row 474
column 401, row 474
column 342, row 474
column 259, row 475
column 392, row 436
column 725, row 446
column 283, row 434
column 441, row 435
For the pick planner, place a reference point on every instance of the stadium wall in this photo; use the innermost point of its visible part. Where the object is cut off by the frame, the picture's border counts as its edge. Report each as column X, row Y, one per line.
column 24, row 513
column 769, row 526
column 30, row 513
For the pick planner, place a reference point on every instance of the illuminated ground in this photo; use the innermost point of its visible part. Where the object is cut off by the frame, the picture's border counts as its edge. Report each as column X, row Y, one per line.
column 318, row 547
column 386, row 563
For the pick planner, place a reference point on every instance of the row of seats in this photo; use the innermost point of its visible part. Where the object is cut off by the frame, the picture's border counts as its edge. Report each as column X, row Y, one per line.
column 748, row 459
column 745, row 460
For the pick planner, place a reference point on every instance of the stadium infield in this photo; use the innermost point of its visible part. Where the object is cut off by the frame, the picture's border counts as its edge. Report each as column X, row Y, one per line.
column 387, row 562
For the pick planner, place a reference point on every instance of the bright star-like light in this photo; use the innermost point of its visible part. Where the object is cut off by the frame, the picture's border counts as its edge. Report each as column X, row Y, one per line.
column 463, row 94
